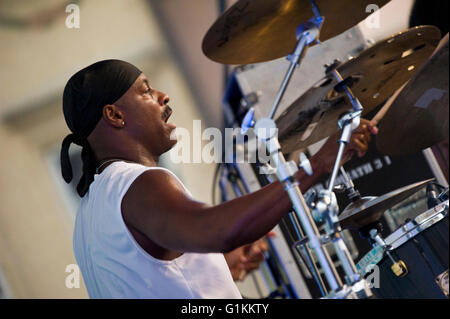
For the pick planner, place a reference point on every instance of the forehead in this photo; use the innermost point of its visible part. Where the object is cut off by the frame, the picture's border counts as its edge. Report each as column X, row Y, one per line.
column 141, row 80
column 138, row 86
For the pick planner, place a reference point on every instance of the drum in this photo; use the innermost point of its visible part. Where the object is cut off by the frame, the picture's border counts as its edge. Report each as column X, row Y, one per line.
column 421, row 245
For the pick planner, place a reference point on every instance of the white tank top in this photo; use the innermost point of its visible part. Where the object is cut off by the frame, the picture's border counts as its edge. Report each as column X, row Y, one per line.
column 113, row 264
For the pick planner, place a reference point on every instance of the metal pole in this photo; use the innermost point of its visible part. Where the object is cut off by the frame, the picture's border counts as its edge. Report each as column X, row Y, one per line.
column 294, row 61
column 304, row 215
column 310, row 263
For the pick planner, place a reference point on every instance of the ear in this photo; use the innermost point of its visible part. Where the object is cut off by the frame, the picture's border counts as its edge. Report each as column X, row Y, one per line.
column 113, row 116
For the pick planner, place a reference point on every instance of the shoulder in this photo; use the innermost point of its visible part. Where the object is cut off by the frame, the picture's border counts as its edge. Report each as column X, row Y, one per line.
column 155, row 188
column 157, row 178
column 139, row 175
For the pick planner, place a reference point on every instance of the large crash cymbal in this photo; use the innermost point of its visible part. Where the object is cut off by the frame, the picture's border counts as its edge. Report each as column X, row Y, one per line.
column 254, row 31
column 376, row 74
column 369, row 210
column 418, row 117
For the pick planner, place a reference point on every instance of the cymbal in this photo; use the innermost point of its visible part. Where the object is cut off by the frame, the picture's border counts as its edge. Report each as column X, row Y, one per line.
column 370, row 209
column 376, row 74
column 418, row 117
column 254, row 31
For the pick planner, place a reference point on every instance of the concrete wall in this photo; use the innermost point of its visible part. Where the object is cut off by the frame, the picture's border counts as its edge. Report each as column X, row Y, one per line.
column 35, row 233
column 36, row 222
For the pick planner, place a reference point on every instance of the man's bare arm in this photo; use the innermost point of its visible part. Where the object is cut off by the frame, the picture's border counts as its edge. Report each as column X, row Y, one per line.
column 157, row 206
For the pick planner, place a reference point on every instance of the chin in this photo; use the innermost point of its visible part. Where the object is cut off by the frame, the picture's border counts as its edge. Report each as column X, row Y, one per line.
column 170, row 144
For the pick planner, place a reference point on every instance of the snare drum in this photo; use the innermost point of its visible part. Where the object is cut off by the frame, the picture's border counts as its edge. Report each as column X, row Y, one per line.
column 422, row 245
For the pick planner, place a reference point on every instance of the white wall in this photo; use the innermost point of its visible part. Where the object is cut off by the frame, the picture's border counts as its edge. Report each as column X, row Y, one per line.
column 35, row 222
column 394, row 17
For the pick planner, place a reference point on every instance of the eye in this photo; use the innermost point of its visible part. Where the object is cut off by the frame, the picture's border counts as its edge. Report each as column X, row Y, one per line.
column 148, row 91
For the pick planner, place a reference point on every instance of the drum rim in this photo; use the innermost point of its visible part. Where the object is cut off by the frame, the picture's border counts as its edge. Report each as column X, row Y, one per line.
column 417, row 225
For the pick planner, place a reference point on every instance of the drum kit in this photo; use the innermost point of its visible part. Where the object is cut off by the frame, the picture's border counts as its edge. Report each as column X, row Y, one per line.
column 408, row 72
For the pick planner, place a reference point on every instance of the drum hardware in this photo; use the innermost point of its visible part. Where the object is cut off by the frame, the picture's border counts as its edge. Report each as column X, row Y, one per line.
column 436, row 193
column 248, row 121
column 285, row 173
column 444, row 195
column 306, row 34
column 372, row 230
column 326, row 208
column 418, row 224
column 299, row 245
column 432, row 195
column 304, row 252
column 422, row 243
column 273, row 273
column 398, row 267
column 305, row 164
column 368, row 210
column 442, row 282
column 349, row 188
column 265, row 131
column 290, row 260
column 338, row 85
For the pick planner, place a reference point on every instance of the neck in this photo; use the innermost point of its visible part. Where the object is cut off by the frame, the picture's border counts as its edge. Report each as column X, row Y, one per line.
column 134, row 155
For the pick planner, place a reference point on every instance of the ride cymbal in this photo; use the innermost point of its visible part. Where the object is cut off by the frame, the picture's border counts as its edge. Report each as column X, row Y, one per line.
column 254, row 31
column 373, row 77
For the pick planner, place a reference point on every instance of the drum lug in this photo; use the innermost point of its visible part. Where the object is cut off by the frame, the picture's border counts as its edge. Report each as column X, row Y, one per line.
column 399, row 269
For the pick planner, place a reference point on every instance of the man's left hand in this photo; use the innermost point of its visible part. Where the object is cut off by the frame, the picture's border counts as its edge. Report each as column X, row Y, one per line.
column 247, row 258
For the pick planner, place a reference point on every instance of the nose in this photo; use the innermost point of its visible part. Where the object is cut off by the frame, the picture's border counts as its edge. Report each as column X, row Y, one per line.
column 163, row 98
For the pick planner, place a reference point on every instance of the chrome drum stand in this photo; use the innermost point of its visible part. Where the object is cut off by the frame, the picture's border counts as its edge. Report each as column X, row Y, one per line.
column 326, row 208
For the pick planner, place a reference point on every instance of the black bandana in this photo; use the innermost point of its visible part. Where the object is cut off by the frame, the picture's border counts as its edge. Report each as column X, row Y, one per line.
column 85, row 95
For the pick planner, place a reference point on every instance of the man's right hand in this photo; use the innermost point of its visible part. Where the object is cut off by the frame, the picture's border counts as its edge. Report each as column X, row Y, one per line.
column 359, row 143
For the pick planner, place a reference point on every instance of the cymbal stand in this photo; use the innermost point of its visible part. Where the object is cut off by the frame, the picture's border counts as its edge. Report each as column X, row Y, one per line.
column 306, row 33
column 326, row 208
column 304, row 253
column 351, row 192
column 231, row 176
column 266, row 131
column 373, row 230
